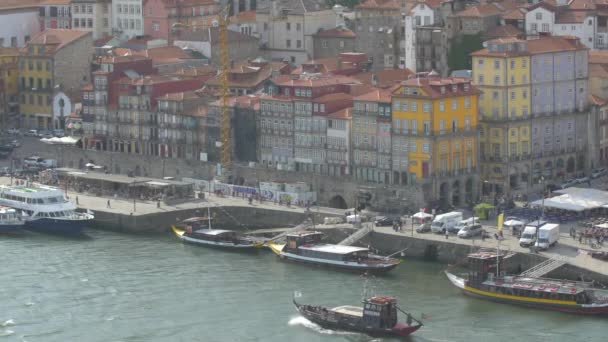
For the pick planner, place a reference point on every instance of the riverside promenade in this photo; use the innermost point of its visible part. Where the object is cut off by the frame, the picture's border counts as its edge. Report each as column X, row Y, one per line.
column 139, row 216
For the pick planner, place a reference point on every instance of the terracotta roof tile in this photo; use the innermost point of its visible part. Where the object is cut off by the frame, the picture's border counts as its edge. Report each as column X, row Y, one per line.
column 56, row 39
column 535, row 46
column 18, row 4
column 385, row 78
column 571, row 17
column 337, row 32
column 342, row 114
column 56, row 2
column 515, row 14
column 596, row 100
column 325, row 80
column 250, row 74
column 432, row 87
column 181, row 96
column 379, row 4
column 333, row 97
column 598, row 71
column 378, row 95
column 244, row 17
column 598, row 57
column 480, row 11
column 504, row 31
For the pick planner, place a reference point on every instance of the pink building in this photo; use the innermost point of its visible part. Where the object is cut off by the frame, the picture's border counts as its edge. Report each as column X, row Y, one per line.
column 160, row 15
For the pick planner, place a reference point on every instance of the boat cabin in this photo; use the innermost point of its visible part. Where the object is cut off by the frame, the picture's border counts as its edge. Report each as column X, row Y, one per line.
column 8, row 214
column 296, row 240
column 194, row 223
column 380, row 312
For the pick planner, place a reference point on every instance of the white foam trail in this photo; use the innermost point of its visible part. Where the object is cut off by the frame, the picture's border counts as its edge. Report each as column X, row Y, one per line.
column 299, row 320
column 6, row 332
column 8, row 323
column 29, row 304
column 111, row 318
column 84, row 280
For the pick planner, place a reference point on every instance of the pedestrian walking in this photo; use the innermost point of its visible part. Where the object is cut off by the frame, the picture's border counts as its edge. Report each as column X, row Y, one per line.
column 77, row 200
column 158, row 204
column 447, row 234
column 108, row 204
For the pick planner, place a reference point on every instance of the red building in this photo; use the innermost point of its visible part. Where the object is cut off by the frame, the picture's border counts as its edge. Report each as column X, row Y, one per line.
column 160, row 15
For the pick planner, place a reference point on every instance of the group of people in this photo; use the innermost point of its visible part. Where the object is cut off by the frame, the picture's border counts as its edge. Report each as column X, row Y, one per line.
column 589, row 234
column 398, row 226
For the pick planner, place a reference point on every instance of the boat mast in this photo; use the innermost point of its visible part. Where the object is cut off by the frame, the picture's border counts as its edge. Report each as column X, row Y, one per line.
column 497, row 257
column 209, row 216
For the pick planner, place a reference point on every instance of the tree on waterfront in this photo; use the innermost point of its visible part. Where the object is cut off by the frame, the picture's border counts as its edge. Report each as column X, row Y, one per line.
column 459, row 56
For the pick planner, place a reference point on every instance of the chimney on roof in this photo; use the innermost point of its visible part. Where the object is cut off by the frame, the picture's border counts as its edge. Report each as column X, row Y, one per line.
column 374, row 80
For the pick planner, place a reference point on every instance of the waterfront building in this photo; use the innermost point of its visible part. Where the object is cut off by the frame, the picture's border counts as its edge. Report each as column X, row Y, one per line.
column 55, row 14
column 287, row 27
column 133, row 118
column 95, row 96
column 93, row 16
column 534, row 118
column 160, row 15
column 371, row 137
column 127, row 18
column 338, row 155
column 54, row 63
column 377, row 26
column 330, row 43
column 434, row 140
column 245, row 23
column 300, row 104
column 18, row 22
column 9, row 81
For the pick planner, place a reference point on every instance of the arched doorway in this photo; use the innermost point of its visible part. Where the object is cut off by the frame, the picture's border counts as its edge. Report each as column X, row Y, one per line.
column 513, row 178
column 570, row 165
column 338, row 202
column 444, row 194
column 456, row 192
column 468, row 190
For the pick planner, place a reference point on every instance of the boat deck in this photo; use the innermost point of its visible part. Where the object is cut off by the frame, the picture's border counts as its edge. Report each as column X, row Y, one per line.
column 349, row 310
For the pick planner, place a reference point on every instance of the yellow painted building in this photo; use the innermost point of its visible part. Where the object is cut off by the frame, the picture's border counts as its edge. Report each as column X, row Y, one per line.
column 36, row 84
column 9, row 75
column 435, row 130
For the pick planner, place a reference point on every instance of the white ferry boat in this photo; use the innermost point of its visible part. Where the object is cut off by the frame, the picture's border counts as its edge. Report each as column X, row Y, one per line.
column 45, row 208
column 10, row 220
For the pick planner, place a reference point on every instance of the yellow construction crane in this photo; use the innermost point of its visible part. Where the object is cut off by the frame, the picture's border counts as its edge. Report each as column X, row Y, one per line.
column 225, row 119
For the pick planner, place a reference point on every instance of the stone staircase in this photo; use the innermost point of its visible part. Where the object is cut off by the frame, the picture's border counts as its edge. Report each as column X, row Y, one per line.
column 544, row 267
column 358, row 235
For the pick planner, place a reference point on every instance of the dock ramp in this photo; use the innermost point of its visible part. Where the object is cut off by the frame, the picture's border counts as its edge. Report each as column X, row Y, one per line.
column 544, row 267
column 358, row 235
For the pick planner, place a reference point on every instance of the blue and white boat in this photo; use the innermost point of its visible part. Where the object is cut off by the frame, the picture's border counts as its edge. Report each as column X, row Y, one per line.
column 10, row 220
column 45, row 208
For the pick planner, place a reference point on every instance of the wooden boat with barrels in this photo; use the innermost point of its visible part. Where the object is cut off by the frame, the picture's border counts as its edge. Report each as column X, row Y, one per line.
column 306, row 247
column 193, row 231
column 486, row 282
column 378, row 317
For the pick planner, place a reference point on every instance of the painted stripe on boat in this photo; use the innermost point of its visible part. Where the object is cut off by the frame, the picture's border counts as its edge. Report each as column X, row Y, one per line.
column 518, row 298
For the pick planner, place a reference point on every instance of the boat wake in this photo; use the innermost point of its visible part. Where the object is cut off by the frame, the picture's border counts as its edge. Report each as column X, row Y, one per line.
column 299, row 320
column 6, row 332
column 7, row 323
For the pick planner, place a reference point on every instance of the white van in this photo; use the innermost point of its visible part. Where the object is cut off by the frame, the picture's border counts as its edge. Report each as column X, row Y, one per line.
column 528, row 237
column 445, row 221
column 464, row 223
column 548, row 235
column 353, row 219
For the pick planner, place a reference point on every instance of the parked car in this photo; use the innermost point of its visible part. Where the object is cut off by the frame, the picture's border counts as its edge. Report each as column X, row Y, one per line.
column 45, row 134
column 5, row 171
column 568, row 183
column 384, row 221
column 552, row 187
column 15, row 131
column 48, row 163
column 470, row 231
column 16, row 143
column 582, row 180
column 424, row 228
column 32, row 133
column 6, row 146
column 4, row 154
column 597, row 173
column 59, row 133
column 32, row 161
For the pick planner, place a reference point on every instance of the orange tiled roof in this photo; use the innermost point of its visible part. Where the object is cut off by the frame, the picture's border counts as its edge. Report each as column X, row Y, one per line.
column 571, row 17
column 596, row 100
column 504, row 31
column 342, row 114
column 160, row 55
column 598, row 57
column 333, row 97
column 386, row 78
column 56, row 39
column 18, row 4
column 56, row 2
column 598, row 71
column 377, row 95
column 337, row 32
column 535, row 46
column 288, row 80
column 181, row 96
column 188, row 3
column 432, row 85
column 488, row 9
column 9, row 51
column 244, row 17
column 515, row 14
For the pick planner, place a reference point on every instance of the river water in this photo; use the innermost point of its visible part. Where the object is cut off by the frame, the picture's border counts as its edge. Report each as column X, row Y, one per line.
column 116, row 287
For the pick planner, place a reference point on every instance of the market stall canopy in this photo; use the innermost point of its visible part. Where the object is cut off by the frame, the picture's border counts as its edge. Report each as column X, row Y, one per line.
column 576, row 199
column 421, row 215
column 513, row 223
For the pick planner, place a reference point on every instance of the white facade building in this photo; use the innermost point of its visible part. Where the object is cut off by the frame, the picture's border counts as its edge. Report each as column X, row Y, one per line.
column 93, row 16
column 420, row 15
column 127, row 18
column 18, row 25
column 561, row 21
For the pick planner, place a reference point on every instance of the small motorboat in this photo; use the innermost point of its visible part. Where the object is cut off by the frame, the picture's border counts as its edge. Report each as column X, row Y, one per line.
column 378, row 317
column 193, row 230
column 600, row 255
column 10, row 220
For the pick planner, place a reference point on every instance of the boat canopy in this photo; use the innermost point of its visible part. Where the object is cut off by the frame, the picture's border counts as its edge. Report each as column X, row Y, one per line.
column 334, row 249
column 349, row 310
column 213, row 231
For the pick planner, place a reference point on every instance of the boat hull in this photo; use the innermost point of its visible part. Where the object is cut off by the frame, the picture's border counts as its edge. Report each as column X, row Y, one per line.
column 551, row 305
column 348, row 266
column 58, row 226
column 11, row 227
column 213, row 244
column 356, row 325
